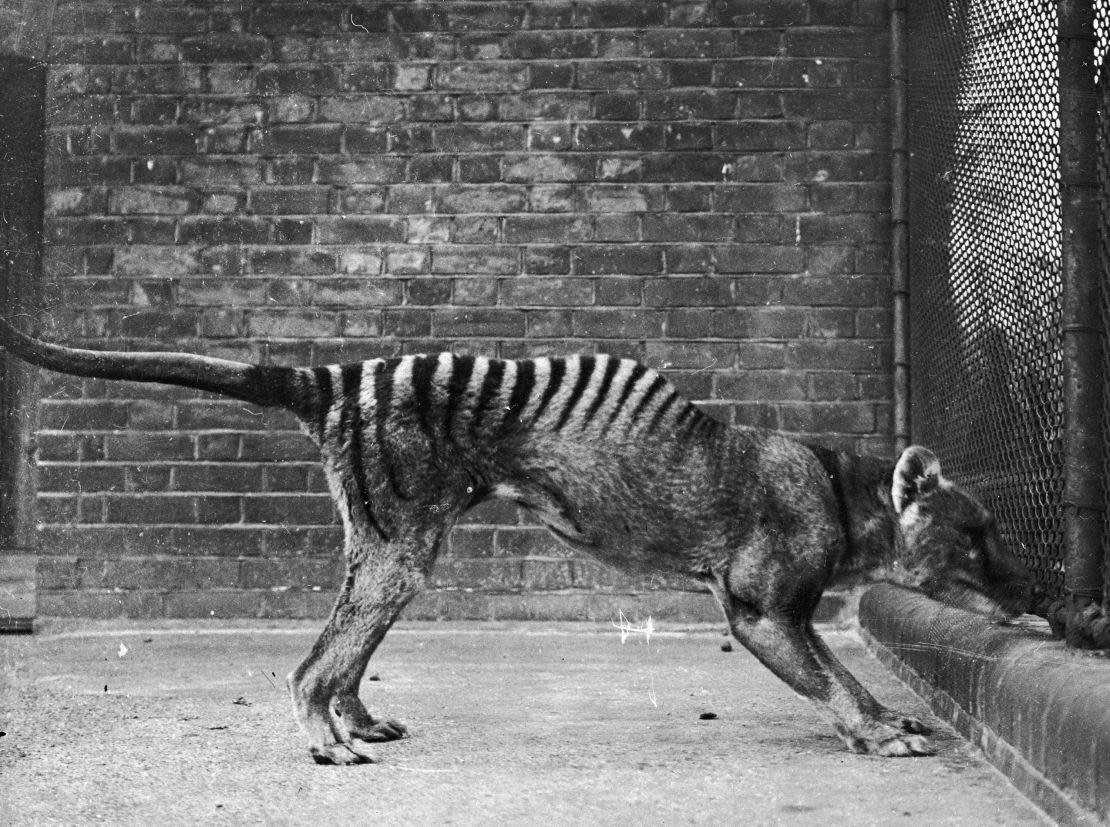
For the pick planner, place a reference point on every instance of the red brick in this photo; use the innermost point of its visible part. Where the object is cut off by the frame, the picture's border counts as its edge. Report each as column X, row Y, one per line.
column 669, row 292
column 856, row 291
column 757, row 385
column 617, row 324
column 480, row 138
column 686, row 355
column 478, row 292
column 366, row 229
column 617, row 137
column 832, row 387
column 494, row 198
column 536, row 168
column 476, row 259
column 852, row 355
column 491, row 77
column 623, row 259
column 480, row 323
column 296, row 139
column 217, row 47
column 530, row 229
column 546, row 260
column 83, row 415
column 689, row 324
column 546, row 324
column 277, row 509
column 297, row 573
column 760, row 323
column 833, row 417
column 547, row 291
column 759, row 258
column 154, row 79
column 364, row 170
column 61, row 478
column 687, row 227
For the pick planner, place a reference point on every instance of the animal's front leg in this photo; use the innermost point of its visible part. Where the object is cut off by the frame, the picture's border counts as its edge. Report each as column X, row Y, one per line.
column 325, row 686
column 795, row 653
column 874, row 709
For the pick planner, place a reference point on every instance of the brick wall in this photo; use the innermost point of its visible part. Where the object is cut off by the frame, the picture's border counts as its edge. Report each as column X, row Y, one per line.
column 701, row 184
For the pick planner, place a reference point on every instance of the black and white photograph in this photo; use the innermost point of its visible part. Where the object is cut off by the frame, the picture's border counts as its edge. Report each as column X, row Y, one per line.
column 554, row 412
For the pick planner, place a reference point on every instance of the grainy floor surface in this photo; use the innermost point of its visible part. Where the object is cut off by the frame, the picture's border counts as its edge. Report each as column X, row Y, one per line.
column 174, row 723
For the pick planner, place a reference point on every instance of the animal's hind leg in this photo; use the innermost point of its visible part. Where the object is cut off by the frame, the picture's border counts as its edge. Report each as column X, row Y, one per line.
column 325, row 686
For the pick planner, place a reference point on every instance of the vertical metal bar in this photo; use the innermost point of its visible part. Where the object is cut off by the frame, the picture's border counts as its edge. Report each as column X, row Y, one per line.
column 23, row 48
column 899, row 209
column 1082, row 329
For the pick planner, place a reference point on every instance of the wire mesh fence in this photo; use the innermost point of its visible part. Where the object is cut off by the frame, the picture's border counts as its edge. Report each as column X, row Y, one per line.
column 985, row 260
column 1102, row 78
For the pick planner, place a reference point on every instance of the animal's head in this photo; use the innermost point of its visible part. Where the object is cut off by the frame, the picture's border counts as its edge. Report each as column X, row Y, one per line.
column 951, row 547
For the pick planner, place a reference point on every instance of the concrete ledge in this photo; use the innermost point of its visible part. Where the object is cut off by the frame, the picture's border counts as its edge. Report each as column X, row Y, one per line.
column 1039, row 712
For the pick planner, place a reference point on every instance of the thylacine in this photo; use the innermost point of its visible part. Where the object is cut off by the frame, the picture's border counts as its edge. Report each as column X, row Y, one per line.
column 607, row 455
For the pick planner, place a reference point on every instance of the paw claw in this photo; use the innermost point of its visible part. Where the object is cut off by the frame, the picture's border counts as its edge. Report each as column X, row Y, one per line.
column 902, row 746
column 888, row 741
column 353, row 752
column 905, row 723
column 388, row 730
column 914, row 726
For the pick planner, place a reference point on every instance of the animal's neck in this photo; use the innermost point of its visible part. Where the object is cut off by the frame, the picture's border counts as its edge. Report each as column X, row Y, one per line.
column 862, row 487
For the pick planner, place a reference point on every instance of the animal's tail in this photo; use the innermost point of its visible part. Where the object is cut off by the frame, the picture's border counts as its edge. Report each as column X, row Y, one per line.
column 266, row 385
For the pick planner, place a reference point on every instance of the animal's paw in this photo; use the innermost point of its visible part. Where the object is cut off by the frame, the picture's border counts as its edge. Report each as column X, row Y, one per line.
column 352, row 716
column 902, row 746
column 355, row 751
column 905, row 723
column 888, row 742
column 374, row 730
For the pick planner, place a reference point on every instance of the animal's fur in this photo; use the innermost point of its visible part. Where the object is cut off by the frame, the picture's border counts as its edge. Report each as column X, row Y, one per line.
column 608, row 456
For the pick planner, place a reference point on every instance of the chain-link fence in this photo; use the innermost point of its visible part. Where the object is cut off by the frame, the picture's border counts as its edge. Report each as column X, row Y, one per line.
column 989, row 272
column 985, row 255
column 1102, row 53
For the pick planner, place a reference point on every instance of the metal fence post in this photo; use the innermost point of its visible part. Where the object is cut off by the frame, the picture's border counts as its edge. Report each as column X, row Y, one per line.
column 1082, row 329
column 899, row 209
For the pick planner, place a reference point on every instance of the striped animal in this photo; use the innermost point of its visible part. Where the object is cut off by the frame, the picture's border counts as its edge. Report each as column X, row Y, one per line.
column 607, row 455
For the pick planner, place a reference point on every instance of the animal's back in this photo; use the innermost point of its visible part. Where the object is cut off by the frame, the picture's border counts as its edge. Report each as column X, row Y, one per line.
column 576, row 440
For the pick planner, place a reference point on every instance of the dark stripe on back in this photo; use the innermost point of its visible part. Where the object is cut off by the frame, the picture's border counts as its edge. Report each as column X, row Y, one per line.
column 611, row 369
column 491, row 387
column 383, row 402
column 654, row 388
column 709, row 425
column 423, row 369
column 657, row 417
column 351, row 412
column 637, row 373
column 461, row 369
column 687, row 412
column 522, row 392
column 586, row 366
column 324, row 399
column 558, row 368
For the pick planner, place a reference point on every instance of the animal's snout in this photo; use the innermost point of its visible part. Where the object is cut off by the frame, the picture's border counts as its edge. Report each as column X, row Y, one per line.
column 1038, row 593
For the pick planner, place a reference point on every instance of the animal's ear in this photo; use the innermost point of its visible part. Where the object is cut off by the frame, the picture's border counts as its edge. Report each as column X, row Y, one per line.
column 917, row 473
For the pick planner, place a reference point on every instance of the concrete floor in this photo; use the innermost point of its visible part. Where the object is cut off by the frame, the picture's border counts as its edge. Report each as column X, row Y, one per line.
column 174, row 723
